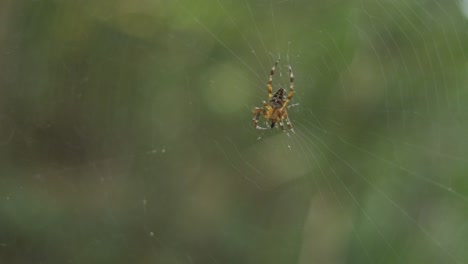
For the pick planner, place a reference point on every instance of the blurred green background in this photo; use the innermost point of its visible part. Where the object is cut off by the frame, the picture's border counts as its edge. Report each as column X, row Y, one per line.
column 126, row 136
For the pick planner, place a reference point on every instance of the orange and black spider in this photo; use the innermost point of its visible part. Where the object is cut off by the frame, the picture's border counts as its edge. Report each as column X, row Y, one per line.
column 275, row 111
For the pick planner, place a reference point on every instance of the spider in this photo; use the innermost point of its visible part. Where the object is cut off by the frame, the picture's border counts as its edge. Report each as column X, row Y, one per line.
column 275, row 111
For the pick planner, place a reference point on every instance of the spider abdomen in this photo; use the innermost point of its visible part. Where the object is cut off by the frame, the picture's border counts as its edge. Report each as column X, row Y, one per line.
column 277, row 100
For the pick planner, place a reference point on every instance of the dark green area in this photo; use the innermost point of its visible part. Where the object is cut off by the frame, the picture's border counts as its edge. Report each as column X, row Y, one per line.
column 126, row 136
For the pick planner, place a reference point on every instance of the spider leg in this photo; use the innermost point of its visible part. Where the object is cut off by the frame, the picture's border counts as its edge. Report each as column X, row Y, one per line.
column 288, row 123
column 291, row 88
column 270, row 88
column 293, row 105
column 281, row 125
column 268, row 107
column 256, row 113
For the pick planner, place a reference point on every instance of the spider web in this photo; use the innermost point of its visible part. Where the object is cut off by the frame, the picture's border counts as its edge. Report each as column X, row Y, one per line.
column 126, row 132
column 375, row 170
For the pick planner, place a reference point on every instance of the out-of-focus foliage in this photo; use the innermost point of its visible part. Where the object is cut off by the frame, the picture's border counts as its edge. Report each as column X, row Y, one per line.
column 125, row 132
